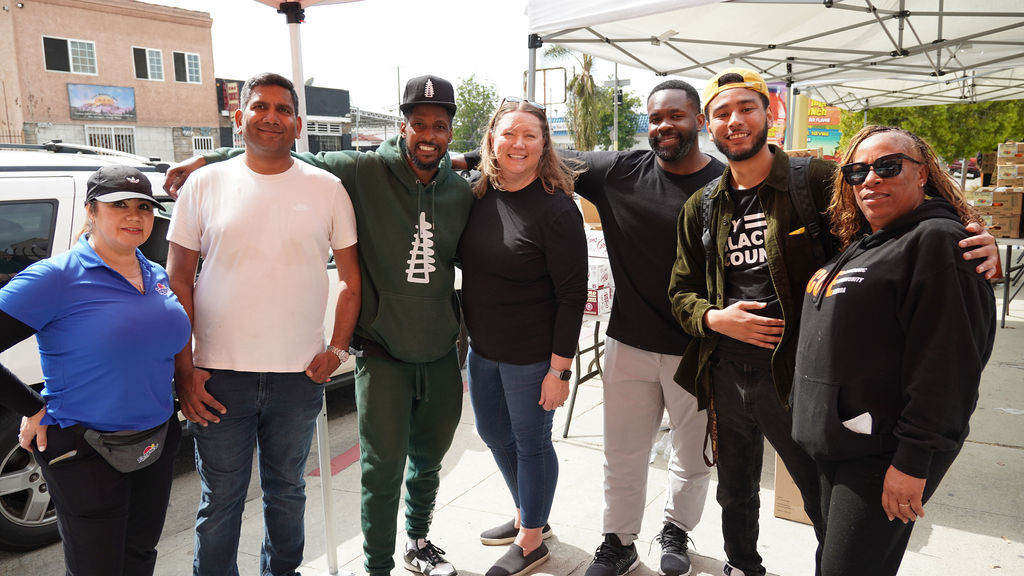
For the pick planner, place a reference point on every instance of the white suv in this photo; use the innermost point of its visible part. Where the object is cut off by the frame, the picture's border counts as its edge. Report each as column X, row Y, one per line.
column 42, row 194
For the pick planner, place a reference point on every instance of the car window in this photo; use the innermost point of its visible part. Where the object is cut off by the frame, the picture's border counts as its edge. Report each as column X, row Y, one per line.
column 26, row 235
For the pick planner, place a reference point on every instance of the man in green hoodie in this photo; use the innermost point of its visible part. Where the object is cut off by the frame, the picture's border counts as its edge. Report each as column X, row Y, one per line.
column 410, row 209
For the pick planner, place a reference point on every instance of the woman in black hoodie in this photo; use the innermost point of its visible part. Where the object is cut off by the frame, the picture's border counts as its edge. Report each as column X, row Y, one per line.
column 893, row 338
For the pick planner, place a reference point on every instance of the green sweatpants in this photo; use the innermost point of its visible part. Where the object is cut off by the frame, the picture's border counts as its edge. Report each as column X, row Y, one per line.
column 406, row 411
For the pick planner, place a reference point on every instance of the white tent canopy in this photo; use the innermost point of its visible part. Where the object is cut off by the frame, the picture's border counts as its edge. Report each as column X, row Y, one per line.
column 855, row 54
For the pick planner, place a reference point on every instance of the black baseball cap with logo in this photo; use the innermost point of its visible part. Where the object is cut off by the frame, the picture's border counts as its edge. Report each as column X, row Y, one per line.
column 428, row 90
column 117, row 182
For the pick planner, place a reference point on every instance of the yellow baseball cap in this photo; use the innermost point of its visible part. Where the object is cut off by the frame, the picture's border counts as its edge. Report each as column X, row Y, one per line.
column 746, row 79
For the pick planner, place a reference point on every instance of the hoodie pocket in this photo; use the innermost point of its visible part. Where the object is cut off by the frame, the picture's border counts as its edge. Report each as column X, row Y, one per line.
column 416, row 329
column 818, row 428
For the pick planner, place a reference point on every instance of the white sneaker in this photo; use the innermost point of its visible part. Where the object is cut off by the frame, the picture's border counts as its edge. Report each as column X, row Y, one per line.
column 427, row 559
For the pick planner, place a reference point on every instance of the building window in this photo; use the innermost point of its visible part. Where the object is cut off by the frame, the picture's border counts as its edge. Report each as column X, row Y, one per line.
column 202, row 144
column 186, row 68
column 120, row 138
column 149, row 64
column 63, row 55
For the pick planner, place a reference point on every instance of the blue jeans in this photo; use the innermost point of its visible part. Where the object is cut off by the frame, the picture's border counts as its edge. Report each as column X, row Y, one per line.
column 517, row 430
column 276, row 413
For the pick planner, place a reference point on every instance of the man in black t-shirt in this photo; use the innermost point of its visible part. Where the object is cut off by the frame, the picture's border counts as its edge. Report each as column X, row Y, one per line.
column 639, row 195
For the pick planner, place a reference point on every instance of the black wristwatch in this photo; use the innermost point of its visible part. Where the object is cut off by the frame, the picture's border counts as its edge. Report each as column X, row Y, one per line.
column 564, row 375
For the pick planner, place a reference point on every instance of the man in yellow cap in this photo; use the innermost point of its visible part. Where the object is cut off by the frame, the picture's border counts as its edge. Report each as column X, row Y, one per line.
column 763, row 243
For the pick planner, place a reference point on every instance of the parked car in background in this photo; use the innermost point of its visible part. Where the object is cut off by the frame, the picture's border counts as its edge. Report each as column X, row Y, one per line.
column 973, row 171
column 42, row 194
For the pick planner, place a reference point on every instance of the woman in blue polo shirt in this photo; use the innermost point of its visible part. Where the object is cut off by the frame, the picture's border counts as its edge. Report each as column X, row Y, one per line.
column 108, row 328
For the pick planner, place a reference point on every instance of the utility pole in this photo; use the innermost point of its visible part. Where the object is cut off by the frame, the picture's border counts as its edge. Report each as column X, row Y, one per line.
column 616, row 102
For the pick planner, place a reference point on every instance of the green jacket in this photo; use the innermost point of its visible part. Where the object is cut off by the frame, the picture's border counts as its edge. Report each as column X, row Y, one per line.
column 694, row 289
column 408, row 276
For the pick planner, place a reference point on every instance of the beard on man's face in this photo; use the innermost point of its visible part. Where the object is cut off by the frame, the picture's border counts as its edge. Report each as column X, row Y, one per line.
column 759, row 139
column 404, row 147
column 683, row 145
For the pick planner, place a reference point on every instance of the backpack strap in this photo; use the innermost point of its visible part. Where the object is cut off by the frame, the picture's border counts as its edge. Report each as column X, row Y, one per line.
column 705, row 216
column 812, row 219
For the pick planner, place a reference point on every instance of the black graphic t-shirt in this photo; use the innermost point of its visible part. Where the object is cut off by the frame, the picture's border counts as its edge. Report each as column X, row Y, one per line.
column 746, row 268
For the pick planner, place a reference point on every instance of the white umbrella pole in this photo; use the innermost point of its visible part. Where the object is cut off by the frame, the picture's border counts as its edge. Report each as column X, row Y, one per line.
column 302, row 144
column 323, row 449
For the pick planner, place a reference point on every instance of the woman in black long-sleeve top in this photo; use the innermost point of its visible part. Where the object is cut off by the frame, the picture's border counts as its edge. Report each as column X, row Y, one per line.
column 524, row 258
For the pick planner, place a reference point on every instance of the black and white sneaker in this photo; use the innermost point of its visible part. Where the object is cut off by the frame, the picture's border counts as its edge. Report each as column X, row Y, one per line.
column 674, row 559
column 730, row 570
column 613, row 559
column 427, row 559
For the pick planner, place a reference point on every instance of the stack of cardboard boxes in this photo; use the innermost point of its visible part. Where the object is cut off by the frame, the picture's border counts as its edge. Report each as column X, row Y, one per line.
column 1001, row 205
column 599, row 280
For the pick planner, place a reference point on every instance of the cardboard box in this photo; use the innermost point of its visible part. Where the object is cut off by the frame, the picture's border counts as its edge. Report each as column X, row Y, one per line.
column 1009, row 171
column 789, row 505
column 811, row 152
column 1009, row 182
column 599, row 273
column 1008, row 149
column 595, row 244
column 1003, row 201
column 988, row 162
column 590, row 215
column 1002, row 226
column 599, row 301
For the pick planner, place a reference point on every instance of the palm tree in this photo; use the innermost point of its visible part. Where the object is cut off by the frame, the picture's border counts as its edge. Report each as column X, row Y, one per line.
column 582, row 101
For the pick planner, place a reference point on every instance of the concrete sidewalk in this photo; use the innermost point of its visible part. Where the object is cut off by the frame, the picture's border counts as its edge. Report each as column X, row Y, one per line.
column 974, row 524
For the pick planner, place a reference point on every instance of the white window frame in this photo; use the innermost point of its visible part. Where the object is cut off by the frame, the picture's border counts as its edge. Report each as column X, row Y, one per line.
column 193, row 67
column 72, row 57
column 202, row 144
column 116, row 137
column 155, row 73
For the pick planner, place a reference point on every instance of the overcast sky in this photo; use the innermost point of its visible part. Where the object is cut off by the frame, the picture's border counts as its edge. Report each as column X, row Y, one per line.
column 371, row 47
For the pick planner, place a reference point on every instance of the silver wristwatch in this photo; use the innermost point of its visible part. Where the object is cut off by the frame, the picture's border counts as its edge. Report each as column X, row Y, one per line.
column 341, row 354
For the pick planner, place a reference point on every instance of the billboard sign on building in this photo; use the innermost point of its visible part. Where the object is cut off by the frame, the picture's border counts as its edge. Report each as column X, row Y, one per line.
column 777, row 104
column 823, row 128
column 91, row 102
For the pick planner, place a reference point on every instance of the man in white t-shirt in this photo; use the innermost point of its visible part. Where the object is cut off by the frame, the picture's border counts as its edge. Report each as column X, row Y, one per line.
column 264, row 226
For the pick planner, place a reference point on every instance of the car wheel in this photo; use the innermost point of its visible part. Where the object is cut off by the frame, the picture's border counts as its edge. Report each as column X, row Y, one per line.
column 27, row 517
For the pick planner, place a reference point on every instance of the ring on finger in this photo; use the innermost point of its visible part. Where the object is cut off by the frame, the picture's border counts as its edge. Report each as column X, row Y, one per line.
column 904, row 505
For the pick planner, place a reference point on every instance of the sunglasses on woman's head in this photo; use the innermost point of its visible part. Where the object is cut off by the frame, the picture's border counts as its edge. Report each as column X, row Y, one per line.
column 887, row 166
column 516, row 100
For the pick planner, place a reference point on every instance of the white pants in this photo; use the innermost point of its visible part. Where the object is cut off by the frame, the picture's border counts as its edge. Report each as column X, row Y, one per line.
column 638, row 386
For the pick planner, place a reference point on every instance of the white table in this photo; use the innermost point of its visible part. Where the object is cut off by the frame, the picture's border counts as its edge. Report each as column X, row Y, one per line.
column 1011, row 274
column 593, row 367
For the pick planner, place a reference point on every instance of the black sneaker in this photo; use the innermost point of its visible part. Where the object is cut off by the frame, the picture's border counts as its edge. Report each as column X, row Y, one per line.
column 674, row 559
column 613, row 559
column 429, row 561
column 730, row 570
column 506, row 534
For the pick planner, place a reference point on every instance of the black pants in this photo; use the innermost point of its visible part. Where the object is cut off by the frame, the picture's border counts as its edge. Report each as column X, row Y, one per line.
column 110, row 522
column 749, row 410
column 859, row 538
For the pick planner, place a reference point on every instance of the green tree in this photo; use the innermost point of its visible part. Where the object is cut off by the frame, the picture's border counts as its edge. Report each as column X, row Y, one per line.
column 953, row 130
column 630, row 113
column 582, row 99
column 476, row 102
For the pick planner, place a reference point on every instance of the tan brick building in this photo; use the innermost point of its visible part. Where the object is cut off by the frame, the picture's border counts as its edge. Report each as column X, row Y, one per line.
column 114, row 73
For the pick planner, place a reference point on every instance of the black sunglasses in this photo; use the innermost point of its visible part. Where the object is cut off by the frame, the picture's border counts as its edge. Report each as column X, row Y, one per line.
column 516, row 100
column 886, row 167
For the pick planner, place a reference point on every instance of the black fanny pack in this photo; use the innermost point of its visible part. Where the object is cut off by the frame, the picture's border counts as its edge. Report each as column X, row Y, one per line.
column 127, row 450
